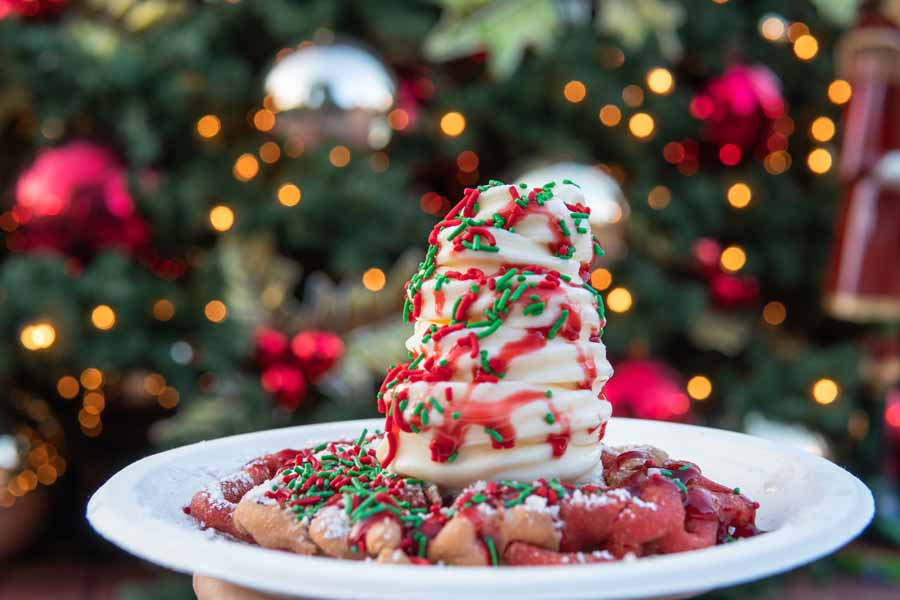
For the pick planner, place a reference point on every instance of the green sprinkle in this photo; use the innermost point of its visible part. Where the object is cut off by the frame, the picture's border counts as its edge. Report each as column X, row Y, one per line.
column 274, row 488
column 554, row 483
column 504, row 298
column 424, row 417
column 489, row 542
column 503, row 281
column 526, row 491
column 456, row 415
column 667, row 472
column 518, row 292
column 534, row 309
column 490, row 329
column 436, row 405
column 534, row 297
column 564, row 228
column 423, row 543
column 522, row 202
column 550, row 418
column 684, row 467
column 494, row 434
column 443, row 362
column 736, row 490
column 457, row 231
column 549, row 393
column 415, row 363
column 680, row 485
column 579, row 215
column 474, row 324
column 565, row 278
column 403, row 404
column 414, row 428
column 452, row 457
column 559, row 323
column 479, row 498
column 320, row 447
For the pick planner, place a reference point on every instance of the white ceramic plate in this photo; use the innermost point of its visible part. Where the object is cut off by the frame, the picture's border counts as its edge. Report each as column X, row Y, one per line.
column 810, row 506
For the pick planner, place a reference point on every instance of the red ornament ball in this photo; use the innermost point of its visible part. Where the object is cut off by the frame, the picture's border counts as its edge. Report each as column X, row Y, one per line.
column 270, row 346
column 647, row 389
column 75, row 199
column 317, row 352
column 738, row 109
column 31, row 9
column 730, row 291
column 286, row 382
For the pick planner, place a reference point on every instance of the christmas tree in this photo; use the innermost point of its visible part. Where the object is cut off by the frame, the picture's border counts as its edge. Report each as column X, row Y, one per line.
column 210, row 211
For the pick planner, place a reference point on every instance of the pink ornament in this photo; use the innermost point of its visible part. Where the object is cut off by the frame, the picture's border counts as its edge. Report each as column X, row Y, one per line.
column 647, row 389
column 31, row 9
column 286, row 382
column 738, row 109
column 730, row 291
column 270, row 345
column 317, row 352
column 75, row 199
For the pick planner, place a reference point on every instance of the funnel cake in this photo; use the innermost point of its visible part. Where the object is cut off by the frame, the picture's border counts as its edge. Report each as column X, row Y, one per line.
column 492, row 448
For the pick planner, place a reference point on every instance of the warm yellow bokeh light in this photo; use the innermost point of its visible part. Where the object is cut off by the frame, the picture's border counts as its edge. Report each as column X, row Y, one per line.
column 772, row 28
column 163, row 310
column 269, row 152
column 806, row 47
column 819, row 161
column 733, row 258
column 103, row 317
column 839, row 91
column 91, row 378
column 619, row 300
column 641, row 125
column 245, row 167
column 574, row 91
column 209, row 126
column 822, row 129
column 660, row 81
column 610, row 115
column 67, row 387
column 154, row 383
column 374, row 279
column 339, row 156
column 168, row 398
column 699, row 387
column 774, row 313
column 659, row 197
column 398, row 119
column 38, row 336
column 739, row 195
column 777, row 162
column 264, row 119
column 825, row 391
column 221, row 218
column 453, row 123
column 601, row 279
column 289, row 194
column 215, row 311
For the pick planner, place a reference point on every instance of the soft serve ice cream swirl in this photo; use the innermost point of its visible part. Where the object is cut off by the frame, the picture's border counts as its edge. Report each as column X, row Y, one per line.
column 506, row 365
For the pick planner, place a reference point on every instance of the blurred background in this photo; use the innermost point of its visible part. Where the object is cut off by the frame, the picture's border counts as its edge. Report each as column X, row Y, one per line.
column 209, row 210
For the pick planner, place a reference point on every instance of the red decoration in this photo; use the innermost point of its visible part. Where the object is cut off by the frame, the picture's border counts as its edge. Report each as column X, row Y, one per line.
column 863, row 281
column 32, row 9
column 75, row 199
column 730, row 291
column 289, row 365
column 738, row 109
column 647, row 389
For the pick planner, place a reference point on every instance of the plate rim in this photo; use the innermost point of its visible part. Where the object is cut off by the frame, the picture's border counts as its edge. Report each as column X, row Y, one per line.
column 122, row 529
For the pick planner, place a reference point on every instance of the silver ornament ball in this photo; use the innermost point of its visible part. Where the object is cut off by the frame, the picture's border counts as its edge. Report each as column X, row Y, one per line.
column 337, row 92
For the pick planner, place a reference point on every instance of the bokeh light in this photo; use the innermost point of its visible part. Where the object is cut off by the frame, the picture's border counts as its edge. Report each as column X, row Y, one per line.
column 67, row 387
column 774, row 313
column 453, row 123
column 163, row 309
column 574, row 91
column 215, row 311
column 289, row 195
column 660, row 81
column 103, row 317
column 374, row 279
column 699, row 387
column 822, row 129
column 659, row 197
column 819, row 161
column 641, row 125
column 245, row 167
column 601, row 279
column 38, row 336
column 739, row 195
column 339, row 156
column 839, row 91
column 619, row 300
column 610, row 115
column 733, row 258
column 221, row 218
column 209, row 126
column 91, row 378
column 264, row 119
column 269, row 152
column 825, row 391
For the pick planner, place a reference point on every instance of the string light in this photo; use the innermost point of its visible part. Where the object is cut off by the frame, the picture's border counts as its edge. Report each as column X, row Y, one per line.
column 795, row 30
column 154, row 383
column 67, row 387
column 619, row 300
column 289, row 195
column 739, row 195
column 806, row 47
column 94, row 402
column 641, row 125
column 574, row 91
column 221, row 218
column 777, row 162
column 819, row 161
column 38, row 336
column 209, row 126
column 839, row 91
column 269, row 152
column 699, row 387
column 87, row 419
column 398, row 119
column 825, row 391
column 733, row 258
column 660, row 81
column 633, row 95
column 215, row 311
column 822, row 129
column 374, row 279
column 772, row 27
column 91, row 378
column 730, row 155
column 453, row 123
column 610, row 115
column 264, row 119
column 103, row 317
column 659, row 197
column 163, row 310
column 245, row 167
column 774, row 313
column 467, row 161
column 601, row 279
column 168, row 398
column 339, row 156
